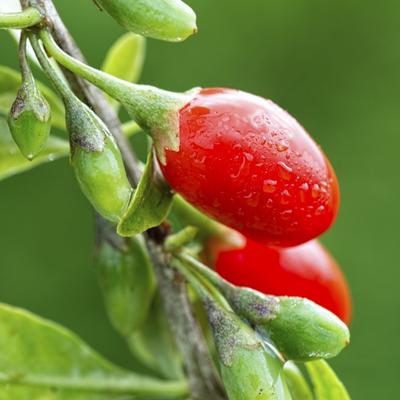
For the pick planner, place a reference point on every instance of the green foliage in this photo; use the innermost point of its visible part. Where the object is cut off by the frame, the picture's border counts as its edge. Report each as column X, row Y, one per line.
column 150, row 203
column 326, row 384
column 13, row 162
column 40, row 358
column 296, row 382
column 127, row 282
column 153, row 345
column 125, row 59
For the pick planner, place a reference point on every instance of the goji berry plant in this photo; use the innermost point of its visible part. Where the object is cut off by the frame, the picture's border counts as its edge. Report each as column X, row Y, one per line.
column 229, row 204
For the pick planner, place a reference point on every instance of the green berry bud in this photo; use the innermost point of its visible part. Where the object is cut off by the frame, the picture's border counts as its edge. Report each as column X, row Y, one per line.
column 170, row 20
column 30, row 120
column 300, row 329
column 127, row 283
column 249, row 368
column 97, row 161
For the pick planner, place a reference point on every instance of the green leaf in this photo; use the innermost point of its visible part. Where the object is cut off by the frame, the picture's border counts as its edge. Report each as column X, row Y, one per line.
column 15, row 392
column 153, row 345
column 127, row 282
column 296, row 382
column 42, row 360
column 13, row 162
column 150, row 203
column 10, row 81
column 327, row 385
column 125, row 59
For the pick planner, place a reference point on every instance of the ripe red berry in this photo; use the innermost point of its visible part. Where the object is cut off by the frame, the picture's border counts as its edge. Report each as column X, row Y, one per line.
column 249, row 164
column 306, row 271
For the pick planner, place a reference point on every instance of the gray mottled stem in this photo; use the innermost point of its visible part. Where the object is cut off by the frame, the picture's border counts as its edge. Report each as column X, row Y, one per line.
column 203, row 380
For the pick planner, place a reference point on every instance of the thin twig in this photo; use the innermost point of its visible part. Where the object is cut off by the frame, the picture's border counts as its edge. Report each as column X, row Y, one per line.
column 203, row 379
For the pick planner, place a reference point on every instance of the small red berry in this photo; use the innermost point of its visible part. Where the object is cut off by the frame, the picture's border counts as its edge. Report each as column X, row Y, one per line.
column 250, row 165
column 306, row 271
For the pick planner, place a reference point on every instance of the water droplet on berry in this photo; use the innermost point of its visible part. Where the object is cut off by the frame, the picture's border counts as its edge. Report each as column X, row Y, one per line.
column 282, row 146
column 285, row 171
column 252, row 199
column 269, row 186
column 285, row 215
column 319, row 210
column 315, row 191
column 285, row 197
column 248, row 156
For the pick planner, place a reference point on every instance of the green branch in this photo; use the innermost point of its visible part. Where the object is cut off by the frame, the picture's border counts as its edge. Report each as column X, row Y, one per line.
column 20, row 20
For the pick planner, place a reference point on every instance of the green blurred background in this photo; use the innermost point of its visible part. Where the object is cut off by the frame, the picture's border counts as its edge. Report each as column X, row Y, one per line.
column 336, row 67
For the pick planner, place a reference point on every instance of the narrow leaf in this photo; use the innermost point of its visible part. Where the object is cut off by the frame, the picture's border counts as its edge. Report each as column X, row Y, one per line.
column 327, row 385
column 16, row 392
column 10, row 81
column 45, row 358
column 125, row 59
column 150, row 203
column 296, row 382
column 13, row 162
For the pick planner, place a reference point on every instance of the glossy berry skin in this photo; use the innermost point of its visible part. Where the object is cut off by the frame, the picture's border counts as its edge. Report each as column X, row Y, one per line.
column 246, row 162
column 306, row 271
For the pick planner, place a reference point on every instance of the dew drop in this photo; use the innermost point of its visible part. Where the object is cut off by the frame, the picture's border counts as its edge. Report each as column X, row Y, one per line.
column 285, row 215
column 303, row 190
column 270, row 203
column 248, row 156
column 282, row 146
column 252, row 199
column 319, row 210
column 236, row 174
column 284, row 171
column 315, row 191
column 269, row 186
column 285, row 197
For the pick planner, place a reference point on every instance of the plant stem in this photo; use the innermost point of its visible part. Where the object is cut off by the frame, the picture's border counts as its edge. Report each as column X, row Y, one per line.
column 23, row 61
column 62, row 88
column 20, row 20
column 206, row 272
column 201, row 284
column 203, row 380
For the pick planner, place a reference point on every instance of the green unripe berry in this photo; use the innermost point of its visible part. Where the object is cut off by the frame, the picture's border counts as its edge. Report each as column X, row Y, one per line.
column 170, row 20
column 30, row 120
column 97, row 161
column 301, row 329
column 127, row 283
column 249, row 369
